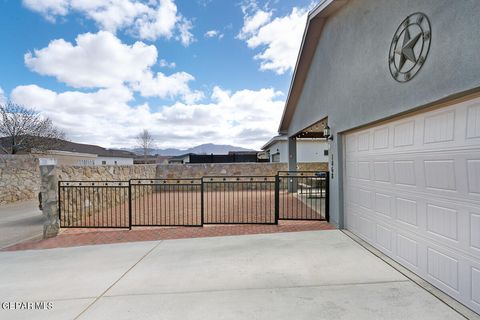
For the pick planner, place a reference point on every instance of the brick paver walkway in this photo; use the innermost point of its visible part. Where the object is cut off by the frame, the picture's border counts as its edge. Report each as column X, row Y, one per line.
column 82, row 237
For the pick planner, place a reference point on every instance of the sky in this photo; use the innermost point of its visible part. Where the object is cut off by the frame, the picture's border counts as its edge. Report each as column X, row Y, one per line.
column 189, row 71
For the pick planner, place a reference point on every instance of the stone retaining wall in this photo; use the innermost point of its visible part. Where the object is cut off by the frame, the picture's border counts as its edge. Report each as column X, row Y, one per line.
column 176, row 171
column 19, row 178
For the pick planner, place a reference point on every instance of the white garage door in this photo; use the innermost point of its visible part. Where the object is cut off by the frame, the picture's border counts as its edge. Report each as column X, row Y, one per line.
column 412, row 190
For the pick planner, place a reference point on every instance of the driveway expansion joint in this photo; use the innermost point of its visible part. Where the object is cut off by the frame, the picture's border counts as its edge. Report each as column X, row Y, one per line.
column 116, row 281
column 256, row 289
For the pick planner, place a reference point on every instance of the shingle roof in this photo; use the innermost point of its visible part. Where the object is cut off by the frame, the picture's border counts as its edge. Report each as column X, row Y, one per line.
column 63, row 145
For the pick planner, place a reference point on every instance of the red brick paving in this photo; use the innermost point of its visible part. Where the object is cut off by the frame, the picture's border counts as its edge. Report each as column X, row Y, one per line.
column 83, row 237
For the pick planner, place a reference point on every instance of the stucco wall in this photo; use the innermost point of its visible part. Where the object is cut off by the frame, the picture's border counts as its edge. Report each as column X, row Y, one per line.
column 111, row 161
column 307, row 151
column 349, row 79
column 19, row 178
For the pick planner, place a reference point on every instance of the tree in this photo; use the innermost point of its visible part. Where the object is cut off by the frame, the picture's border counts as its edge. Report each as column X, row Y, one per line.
column 24, row 129
column 146, row 142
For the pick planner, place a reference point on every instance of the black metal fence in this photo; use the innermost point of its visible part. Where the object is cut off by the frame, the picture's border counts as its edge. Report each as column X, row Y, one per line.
column 300, row 195
column 239, row 200
column 94, row 204
column 166, row 202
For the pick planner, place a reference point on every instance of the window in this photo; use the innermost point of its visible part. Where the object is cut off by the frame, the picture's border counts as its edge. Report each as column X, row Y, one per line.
column 276, row 157
column 104, row 162
column 325, row 153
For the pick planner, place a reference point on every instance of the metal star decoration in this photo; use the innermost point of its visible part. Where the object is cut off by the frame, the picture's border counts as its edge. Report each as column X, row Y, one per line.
column 406, row 52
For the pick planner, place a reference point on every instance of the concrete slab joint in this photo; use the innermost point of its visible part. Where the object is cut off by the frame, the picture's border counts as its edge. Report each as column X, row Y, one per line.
column 49, row 192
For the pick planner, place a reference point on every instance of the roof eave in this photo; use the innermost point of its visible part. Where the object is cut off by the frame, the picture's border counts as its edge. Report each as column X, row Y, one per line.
column 316, row 17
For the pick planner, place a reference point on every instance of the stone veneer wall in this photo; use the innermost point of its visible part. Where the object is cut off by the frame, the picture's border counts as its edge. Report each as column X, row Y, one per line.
column 105, row 173
column 19, row 178
column 175, row 171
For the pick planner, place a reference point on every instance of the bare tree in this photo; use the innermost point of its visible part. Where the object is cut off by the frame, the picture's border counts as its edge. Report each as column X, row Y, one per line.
column 146, row 142
column 24, row 129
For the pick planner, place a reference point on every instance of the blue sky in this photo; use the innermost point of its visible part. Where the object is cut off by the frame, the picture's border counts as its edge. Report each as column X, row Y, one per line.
column 191, row 72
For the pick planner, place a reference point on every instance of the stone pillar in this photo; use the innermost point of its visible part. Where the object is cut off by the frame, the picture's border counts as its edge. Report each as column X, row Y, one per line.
column 49, row 191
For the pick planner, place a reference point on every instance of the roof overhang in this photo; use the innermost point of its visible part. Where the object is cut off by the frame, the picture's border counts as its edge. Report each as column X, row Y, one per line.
column 273, row 141
column 313, row 29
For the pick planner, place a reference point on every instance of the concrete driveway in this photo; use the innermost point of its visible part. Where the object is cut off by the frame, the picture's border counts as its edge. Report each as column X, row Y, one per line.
column 19, row 222
column 300, row 275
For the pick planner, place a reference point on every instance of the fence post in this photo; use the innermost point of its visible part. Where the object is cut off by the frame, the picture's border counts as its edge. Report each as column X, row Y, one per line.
column 130, row 204
column 201, row 201
column 277, row 198
column 327, row 197
column 59, row 204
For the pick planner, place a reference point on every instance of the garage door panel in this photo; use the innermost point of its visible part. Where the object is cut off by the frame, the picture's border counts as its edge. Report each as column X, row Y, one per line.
column 473, row 121
column 438, row 220
column 451, row 176
column 475, row 286
column 412, row 190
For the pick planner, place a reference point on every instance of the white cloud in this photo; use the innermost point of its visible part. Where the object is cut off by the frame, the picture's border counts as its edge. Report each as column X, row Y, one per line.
column 246, row 118
column 171, row 86
column 213, row 34
column 95, row 60
column 279, row 39
column 251, row 23
column 101, row 60
column 160, row 22
column 3, row 99
column 48, row 8
column 185, row 36
column 147, row 20
column 165, row 64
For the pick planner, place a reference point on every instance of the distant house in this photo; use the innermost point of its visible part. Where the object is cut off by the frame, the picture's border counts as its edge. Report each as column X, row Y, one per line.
column 231, row 157
column 308, row 149
column 181, row 159
column 78, row 154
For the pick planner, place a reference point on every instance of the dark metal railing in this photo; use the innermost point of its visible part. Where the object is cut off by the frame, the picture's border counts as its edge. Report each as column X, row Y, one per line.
column 290, row 195
column 239, row 200
column 166, row 202
column 94, row 204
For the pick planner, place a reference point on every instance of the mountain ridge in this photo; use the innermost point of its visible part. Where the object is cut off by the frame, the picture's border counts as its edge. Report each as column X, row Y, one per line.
column 207, row 148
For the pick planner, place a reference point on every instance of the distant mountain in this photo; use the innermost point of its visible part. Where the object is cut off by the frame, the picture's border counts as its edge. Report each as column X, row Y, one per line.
column 208, row 148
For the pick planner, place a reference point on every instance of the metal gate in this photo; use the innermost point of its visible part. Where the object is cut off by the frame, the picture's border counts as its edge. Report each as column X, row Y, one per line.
column 299, row 195
column 303, row 195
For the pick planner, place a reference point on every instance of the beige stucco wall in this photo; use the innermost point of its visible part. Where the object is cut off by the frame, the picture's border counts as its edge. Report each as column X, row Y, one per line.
column 19, row 178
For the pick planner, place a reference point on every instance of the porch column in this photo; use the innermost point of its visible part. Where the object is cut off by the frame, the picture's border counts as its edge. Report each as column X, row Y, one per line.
column 292, row 154
column 292, row 163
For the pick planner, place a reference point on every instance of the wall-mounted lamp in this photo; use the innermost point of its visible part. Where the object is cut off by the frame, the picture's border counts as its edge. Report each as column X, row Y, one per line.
column 326, row 133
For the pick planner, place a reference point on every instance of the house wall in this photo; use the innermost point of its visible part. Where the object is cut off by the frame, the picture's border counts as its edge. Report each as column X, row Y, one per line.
column 349, row 79
column 19, row 178
column 307, row 151
column 110, row 161
column 279, row 147
column 67, row 158
column 310, row 151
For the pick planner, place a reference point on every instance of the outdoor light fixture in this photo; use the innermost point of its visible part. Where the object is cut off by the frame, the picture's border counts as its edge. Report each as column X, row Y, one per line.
column 326, row 133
